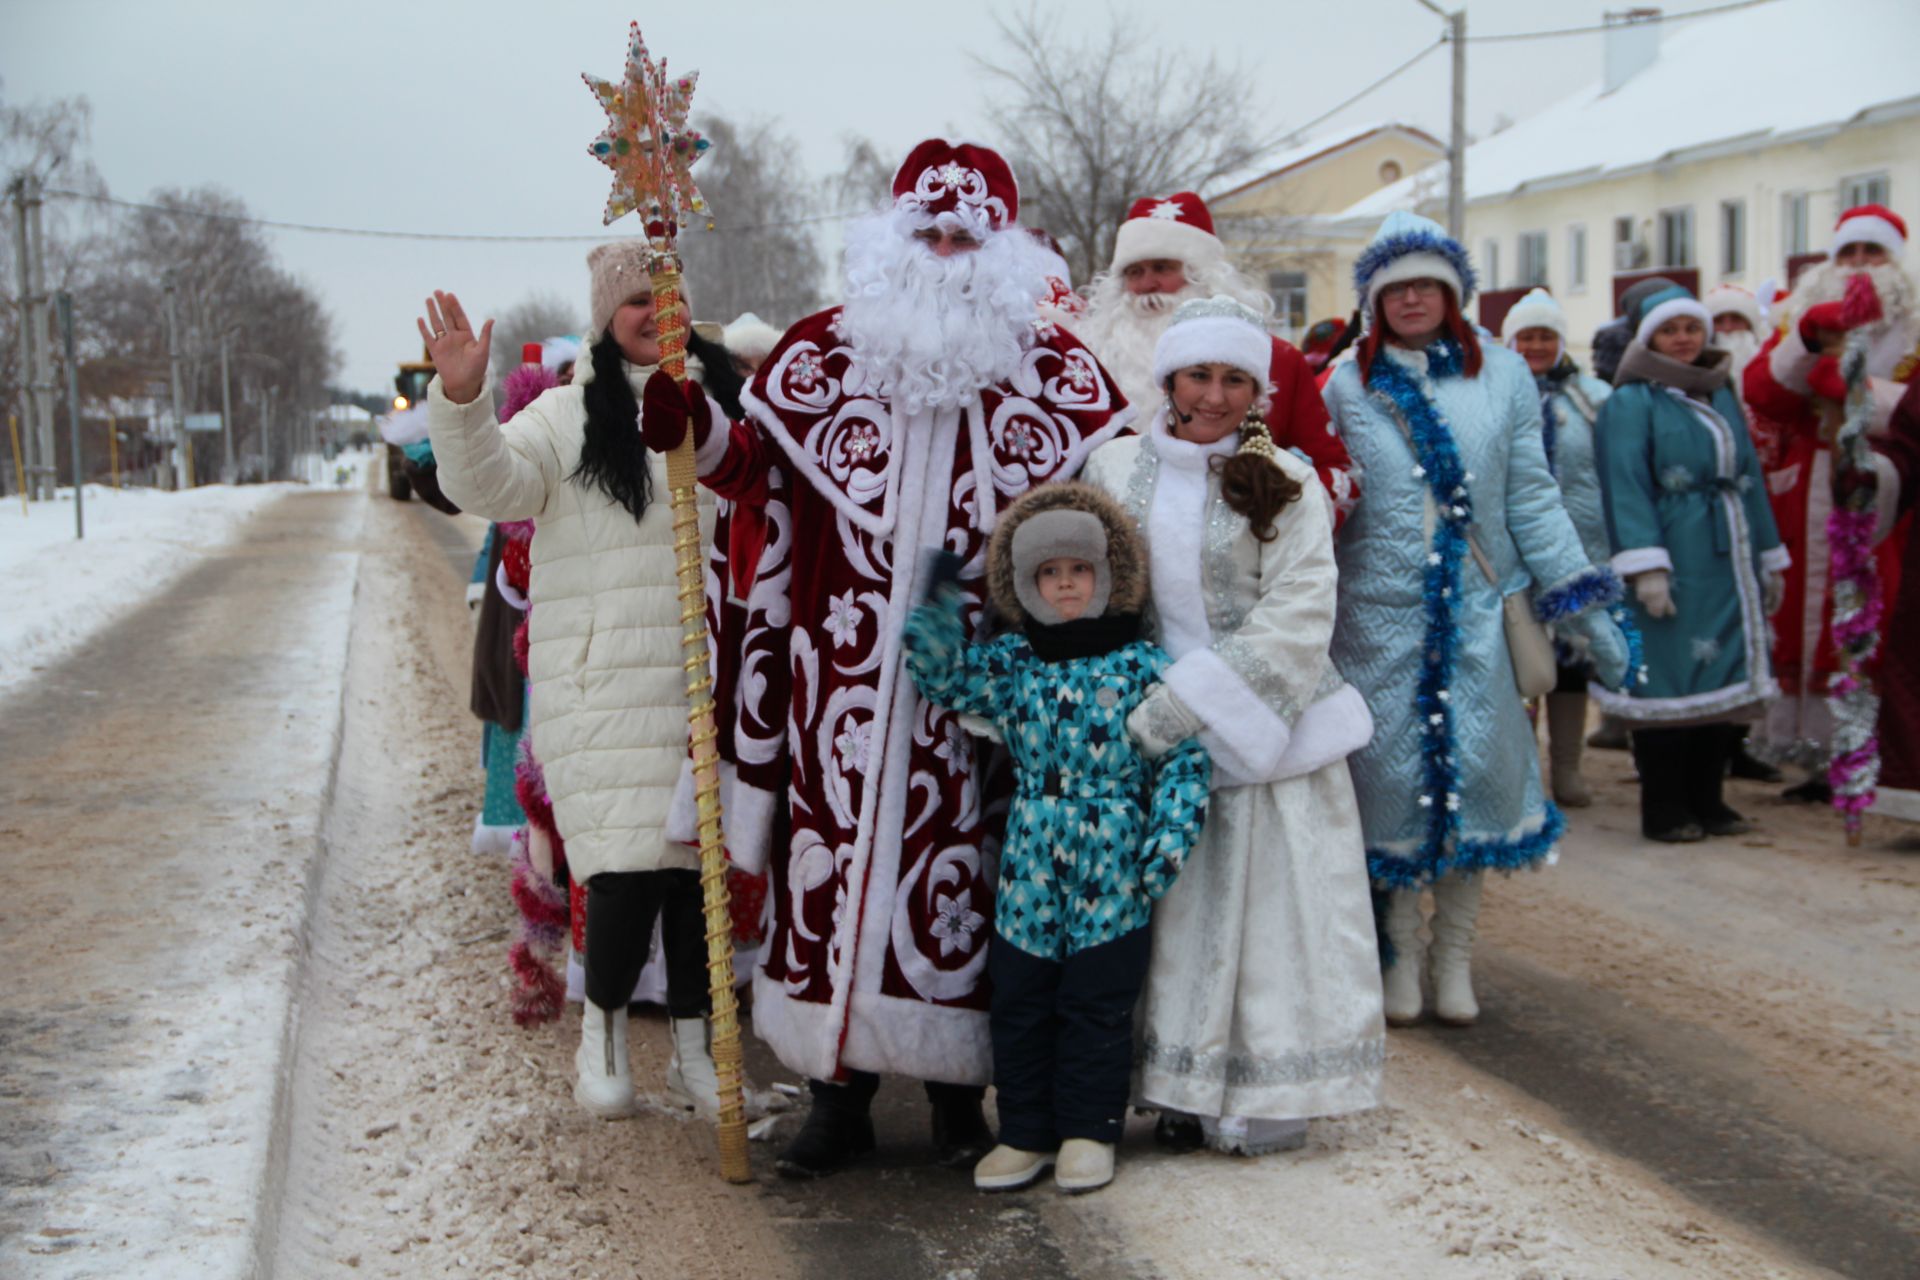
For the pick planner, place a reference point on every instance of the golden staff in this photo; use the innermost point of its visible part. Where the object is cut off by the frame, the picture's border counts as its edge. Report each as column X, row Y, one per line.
column 650, row 149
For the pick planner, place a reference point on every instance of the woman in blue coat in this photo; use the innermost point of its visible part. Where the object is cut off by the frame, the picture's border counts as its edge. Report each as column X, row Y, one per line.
column 1536, row 330
column 1449, row 436
column 1693, row 532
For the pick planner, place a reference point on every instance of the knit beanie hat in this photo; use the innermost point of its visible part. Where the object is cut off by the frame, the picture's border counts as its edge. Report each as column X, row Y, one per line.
column 1732, row 299
column 1216, row 330
column 1062, row 533
column 1410, row 247
column 1654, row 310
column 620, row 272
column 1537, row 310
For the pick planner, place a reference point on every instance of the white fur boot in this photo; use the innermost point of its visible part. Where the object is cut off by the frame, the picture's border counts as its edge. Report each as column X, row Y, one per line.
column 1401, row 982
column 1456, row 907
column 603, row 1084
column 691, row 1076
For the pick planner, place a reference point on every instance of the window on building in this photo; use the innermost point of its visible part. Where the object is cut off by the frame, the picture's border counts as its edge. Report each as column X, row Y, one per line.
column 1793, row 224
column 1390, row 171
column 1576, row 258
column 1533, row 258
column 1489, row 264
column 1676, row 237
column 1629, row 246
column 1289, row 290
column 1866, row 188
column 1733, row 237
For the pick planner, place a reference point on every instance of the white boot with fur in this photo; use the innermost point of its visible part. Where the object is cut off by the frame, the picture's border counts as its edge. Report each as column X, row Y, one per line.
column 603, row 1083
column 1456, row 909
column 692, row 1078
column 1401, row 981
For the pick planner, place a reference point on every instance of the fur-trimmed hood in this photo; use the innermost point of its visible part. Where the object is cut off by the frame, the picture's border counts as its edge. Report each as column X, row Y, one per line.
column 1126, row 554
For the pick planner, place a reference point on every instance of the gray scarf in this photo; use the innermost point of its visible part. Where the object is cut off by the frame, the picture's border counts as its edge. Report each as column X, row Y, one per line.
column 1701, row 379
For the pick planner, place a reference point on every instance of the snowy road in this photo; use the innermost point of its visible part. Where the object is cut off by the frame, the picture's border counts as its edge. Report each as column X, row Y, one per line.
column 1693, row 1062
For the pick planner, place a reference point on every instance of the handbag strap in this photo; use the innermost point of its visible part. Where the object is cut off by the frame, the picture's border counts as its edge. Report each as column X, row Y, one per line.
column 1473, row 543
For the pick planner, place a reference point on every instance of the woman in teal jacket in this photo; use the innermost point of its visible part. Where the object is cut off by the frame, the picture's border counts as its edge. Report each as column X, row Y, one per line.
column 1693, row 533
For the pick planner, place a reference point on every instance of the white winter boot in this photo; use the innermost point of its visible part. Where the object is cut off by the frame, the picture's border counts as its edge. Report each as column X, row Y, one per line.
column 691, row 1076
column 1456, row 906
column 1401, row 981
column 1566, row 735
column 1083, row 1165
column 603, row 1084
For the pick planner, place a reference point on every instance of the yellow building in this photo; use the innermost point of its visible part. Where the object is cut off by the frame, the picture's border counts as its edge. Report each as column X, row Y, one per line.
column 1719, row 151
column 1275, row 224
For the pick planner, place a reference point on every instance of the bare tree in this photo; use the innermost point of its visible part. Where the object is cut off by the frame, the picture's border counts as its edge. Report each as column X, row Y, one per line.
column 865, row 179
column 1095, row 123
column 532, row 319
column 760, row 255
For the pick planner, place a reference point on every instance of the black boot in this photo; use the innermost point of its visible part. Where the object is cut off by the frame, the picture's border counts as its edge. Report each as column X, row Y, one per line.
column 1178, row 1132
column 960, row 1133
column 1815, row 790
column 839, row 1128
column 1708, row 750
column 1742, row 763
column 1664, row 784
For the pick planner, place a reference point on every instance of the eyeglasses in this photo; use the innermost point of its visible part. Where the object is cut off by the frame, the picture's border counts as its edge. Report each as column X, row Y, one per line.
column 1415, row 288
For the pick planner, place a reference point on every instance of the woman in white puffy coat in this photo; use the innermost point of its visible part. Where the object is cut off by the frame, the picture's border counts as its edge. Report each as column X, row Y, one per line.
column 608, row 702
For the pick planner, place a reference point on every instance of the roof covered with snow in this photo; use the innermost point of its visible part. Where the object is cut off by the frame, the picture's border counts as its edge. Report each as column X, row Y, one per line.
column 1278, row 164
column 1799, row 69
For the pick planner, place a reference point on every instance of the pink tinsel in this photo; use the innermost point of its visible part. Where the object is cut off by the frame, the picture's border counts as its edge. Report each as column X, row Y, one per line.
column 523, row 386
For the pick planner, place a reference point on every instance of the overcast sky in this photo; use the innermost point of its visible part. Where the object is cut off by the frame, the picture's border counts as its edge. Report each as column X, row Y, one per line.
column 431, row 115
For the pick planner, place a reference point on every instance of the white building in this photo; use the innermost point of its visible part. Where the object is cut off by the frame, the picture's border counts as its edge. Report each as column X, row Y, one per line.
column 1715, row 151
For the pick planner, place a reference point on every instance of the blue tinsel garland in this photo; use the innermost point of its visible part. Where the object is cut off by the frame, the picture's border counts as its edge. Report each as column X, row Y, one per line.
column 1379, row 253
column 1578, row 594
column 1446, row 478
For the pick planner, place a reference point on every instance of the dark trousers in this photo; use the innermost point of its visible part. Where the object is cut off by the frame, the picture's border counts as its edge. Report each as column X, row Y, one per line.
column 621, row 909
column 1682, row 774
column 854, row 1095
column 1063, row 1039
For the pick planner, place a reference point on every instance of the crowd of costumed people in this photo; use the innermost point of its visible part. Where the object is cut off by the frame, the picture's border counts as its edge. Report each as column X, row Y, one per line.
column 1106, row 685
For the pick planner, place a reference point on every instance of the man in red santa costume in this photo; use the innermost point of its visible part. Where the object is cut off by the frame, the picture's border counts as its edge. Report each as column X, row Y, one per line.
column 895, row 425
column 1165, row 253
column 1795, row 393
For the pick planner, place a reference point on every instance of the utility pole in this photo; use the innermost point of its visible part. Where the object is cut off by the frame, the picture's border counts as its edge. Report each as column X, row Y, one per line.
column 1457, row 138
column 182, row 460
column 18, row 190
column 266, row 430
column 230, row 473
column 65, row 304
column 40, row 317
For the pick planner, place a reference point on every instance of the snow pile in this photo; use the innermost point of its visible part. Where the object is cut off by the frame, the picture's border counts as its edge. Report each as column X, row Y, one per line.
column 60, row 590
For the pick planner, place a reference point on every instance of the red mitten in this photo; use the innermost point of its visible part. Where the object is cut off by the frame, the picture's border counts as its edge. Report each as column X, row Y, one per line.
column 665, row 409
column 1825, row 379
column 1828, row 316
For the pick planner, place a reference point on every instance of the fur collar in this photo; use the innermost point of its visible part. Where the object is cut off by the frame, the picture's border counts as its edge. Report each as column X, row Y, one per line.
column 1700, row 379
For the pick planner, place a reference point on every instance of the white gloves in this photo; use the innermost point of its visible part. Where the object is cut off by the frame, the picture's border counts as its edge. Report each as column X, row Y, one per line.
column 1162, row 722
column 1772, row 592
column 1655, row 591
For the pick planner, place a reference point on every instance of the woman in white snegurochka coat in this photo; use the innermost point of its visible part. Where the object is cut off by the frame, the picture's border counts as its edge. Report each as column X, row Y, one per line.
column 1262, row 1003
column 608, row 700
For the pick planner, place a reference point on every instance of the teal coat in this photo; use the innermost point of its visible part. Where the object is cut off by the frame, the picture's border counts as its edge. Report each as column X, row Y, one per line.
column 1683, row 492
column 1097, row 832
column 1571, row 409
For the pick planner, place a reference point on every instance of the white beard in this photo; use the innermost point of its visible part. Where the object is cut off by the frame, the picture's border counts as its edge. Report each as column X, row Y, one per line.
column 928, row 331
column 1894, row 335
column 1742, row 345
column 1123, row 328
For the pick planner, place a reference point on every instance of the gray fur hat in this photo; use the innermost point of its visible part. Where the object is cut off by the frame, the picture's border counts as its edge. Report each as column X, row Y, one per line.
column 1065, row 519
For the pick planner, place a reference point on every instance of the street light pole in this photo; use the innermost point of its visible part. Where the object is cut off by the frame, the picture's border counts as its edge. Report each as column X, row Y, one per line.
column 181, row 462
column 229, row 473
column 64, row 301
column 1457, row 137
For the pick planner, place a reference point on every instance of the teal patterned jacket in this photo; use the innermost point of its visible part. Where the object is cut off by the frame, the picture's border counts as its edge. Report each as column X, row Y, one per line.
column 1097, row 832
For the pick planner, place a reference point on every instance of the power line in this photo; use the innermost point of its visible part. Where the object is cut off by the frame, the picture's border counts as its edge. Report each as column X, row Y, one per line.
column 1655, row 20
column 381, row 234
column 1405, row 66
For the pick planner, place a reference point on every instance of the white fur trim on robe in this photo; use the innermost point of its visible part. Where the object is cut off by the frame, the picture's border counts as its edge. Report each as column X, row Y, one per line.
column 746, row 817
column 1243, row 734
column 1636, row 560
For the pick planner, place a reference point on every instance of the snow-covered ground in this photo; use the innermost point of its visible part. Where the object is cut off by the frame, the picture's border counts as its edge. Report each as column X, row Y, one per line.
column 60, row 590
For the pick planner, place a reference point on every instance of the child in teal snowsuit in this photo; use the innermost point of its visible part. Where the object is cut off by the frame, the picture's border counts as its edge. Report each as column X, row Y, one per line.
column 1097, row 832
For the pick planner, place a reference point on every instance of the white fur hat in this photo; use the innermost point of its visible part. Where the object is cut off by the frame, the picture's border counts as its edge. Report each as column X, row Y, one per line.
column 751, row 337
column 1732, row 298
column 1537, row 310
column 1871, row 224
column 1216, row 330
column 1410, row 247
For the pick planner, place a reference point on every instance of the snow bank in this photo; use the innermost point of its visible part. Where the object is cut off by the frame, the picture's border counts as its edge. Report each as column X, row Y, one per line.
column 60, row 591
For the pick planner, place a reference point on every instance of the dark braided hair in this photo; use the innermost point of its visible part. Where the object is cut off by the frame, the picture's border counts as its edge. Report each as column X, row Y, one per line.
column 613, row 457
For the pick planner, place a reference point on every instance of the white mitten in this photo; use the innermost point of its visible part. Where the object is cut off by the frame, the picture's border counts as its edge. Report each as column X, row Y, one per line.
column 540, row 851
column 1655, row 591
column 1162, row 722
column 1772, row 592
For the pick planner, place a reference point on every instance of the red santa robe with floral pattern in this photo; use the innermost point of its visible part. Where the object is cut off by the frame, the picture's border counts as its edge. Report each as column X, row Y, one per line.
column 1793, row 431
column 881, row 857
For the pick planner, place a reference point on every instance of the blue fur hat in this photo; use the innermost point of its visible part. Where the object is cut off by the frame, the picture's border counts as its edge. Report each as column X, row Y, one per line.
column 1410, row 247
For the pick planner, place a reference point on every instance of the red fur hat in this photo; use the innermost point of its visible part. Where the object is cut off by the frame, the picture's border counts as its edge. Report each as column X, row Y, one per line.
column 944, row 177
